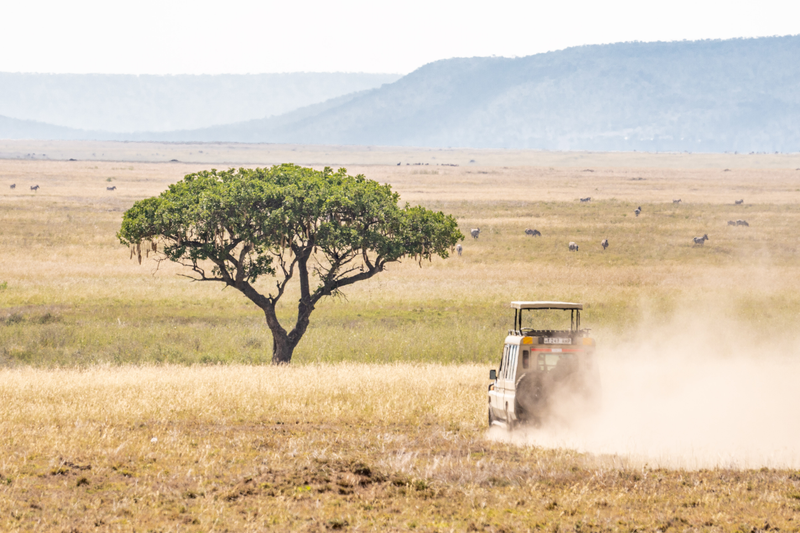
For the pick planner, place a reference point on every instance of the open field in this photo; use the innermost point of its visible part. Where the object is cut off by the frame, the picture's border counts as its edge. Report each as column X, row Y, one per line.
column 94, row 348
column 320, row 447
column 310, row 155
column 73, row 296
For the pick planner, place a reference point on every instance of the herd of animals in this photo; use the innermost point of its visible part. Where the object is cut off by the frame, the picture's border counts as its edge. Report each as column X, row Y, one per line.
column 573, row 247
column 35, row 188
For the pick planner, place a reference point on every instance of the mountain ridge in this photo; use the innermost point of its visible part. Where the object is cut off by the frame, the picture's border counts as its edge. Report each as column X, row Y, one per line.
column 706, row 96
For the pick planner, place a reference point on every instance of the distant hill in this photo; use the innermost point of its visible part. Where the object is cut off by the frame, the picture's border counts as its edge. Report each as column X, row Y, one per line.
column 250, row 131
column 741, row 94
column 704, row 96
column 127, row 103
column 12, row 128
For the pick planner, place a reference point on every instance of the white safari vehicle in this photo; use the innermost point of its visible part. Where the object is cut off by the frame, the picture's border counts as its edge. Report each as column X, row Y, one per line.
column 547, row 359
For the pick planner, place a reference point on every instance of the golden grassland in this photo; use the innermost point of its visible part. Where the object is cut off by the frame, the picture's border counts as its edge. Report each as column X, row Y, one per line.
column 72, row 295
column 327, row 447
column 94, row 349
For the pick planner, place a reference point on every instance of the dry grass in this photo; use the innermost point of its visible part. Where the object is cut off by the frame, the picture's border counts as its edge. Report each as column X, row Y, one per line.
column 73, row 296
column 317, row 447
column 360, row 445
column 314, row 393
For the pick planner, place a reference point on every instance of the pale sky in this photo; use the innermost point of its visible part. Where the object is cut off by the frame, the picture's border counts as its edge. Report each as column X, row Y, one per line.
column 246, row 36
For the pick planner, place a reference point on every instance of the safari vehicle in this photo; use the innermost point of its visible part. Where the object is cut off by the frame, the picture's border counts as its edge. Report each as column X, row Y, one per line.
column 544, row 365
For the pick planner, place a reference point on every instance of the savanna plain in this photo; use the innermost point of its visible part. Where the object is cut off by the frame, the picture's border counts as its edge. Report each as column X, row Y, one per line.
column 132, row 399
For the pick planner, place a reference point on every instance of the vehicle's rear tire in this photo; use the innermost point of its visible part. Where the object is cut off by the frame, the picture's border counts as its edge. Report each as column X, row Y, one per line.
column 529, row 400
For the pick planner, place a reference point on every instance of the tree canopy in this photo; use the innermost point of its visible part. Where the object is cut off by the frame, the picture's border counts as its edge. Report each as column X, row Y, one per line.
column 325, row 229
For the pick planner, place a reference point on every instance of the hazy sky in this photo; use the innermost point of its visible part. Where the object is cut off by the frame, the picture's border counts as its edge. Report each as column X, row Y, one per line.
column 241, row 36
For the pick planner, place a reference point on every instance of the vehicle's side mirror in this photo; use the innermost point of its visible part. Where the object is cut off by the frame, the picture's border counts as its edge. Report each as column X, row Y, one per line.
column 493, row 374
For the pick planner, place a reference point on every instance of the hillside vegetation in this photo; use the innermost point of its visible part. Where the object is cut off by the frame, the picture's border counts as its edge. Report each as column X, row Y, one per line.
column 698, row 96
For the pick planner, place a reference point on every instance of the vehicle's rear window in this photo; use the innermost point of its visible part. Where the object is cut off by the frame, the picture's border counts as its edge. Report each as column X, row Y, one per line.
column 549, row 360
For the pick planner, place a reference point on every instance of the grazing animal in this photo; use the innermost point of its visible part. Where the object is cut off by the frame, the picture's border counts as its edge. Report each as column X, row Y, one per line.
column 638, row 211
column 533, row 232
column 573, row 247
column 587, row 199
column 738, row 202
column 35, row 188
column 731, row 223
column 13, row 185
column 676, row 201
column 112, row 188
column 700, row 241
column 459, row 249
column 475, row 232
column 742, row 223
column 604, row 243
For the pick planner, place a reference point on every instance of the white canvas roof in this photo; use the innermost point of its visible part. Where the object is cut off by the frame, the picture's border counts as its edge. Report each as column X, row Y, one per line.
column 545, row 305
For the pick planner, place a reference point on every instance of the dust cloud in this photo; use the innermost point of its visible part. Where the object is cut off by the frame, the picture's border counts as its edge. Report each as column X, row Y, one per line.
column 698, row 392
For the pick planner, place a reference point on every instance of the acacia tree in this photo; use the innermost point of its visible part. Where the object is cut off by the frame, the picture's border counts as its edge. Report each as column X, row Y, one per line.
column 325, row 229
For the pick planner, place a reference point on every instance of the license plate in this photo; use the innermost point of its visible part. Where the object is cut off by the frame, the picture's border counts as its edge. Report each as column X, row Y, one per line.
column 557, row 340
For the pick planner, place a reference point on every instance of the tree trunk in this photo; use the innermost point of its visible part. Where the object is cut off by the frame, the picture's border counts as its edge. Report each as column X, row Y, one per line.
column 282, row 349
column 282, row 343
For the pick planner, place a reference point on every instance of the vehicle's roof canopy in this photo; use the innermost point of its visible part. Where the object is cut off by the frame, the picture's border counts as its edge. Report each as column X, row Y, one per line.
column 545, row 305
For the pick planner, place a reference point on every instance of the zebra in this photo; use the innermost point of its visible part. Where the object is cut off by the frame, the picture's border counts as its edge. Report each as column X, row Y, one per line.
column 742, row 223
column 604, row 244
column 731, row 223
column 573, row 247
column 533, row 232
column 676, row 201
column 638, row 211
column 112, row 188
column 699, row 241
column 35, row 188
column 587, row 199
column 475, row 232
column 13, row 185
column 459, row 249
column 738, row 202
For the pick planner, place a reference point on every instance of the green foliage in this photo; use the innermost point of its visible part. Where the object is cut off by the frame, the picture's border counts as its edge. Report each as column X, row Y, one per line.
column 263, row 214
